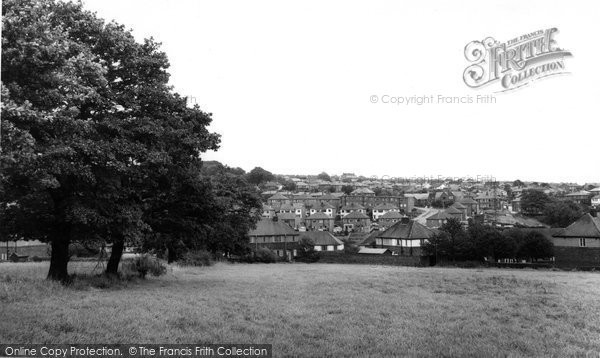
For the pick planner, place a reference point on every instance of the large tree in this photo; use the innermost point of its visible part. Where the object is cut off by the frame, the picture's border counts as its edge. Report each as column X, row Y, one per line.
column 90, row 129
column 562, row 213
column 533, row 202
column 259, row 176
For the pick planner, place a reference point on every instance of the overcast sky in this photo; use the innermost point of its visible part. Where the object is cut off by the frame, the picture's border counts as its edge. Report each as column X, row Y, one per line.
column 290, row 85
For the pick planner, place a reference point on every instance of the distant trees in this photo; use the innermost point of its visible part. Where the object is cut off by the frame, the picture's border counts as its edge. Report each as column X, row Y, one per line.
column 518, row 183
column 454, row 243
column 561, row 213
column 533, row 202
column 324, row 176
column 259, row 175
column 347, row 189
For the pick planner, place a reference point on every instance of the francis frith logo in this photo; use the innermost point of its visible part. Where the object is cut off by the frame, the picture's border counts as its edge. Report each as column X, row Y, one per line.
column 514, row 63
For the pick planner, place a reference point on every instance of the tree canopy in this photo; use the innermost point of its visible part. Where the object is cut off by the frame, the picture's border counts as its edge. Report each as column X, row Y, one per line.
column 96, row 144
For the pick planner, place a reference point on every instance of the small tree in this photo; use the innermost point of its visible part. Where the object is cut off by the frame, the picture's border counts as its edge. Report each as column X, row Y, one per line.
column 347, row 189
column 535, row 246
column 324, row 176
column 306, row 251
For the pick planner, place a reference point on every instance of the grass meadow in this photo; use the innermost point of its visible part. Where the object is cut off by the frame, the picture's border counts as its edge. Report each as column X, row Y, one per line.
column 314, row 310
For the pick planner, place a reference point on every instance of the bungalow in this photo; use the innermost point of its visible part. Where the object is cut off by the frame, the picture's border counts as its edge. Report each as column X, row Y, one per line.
column 383, row 209
column 578, row 245
column 356, row 221
column 405, row 237
column 320, row 222
column 276, row 236
column 323, row 240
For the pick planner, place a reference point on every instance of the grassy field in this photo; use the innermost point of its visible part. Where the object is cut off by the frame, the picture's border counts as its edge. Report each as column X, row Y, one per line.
column 316, row 310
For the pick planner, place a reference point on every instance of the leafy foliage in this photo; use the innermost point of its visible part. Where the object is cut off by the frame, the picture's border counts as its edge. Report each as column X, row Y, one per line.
column 306, row 251
column 97, row 146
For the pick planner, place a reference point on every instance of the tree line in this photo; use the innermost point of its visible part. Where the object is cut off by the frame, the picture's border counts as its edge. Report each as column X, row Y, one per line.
column 96, row 147
column 479, row 242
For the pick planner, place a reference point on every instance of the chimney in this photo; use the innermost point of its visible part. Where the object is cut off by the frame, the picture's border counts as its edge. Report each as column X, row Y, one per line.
column 405, row 220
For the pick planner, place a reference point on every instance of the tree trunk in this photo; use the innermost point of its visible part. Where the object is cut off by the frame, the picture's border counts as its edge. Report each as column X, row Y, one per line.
column 112, row 268
column 59, row 259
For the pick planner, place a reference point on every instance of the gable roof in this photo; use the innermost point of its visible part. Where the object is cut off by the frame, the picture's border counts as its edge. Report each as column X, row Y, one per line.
column 360, row 191
column 286, row 216
column 319, row 216
column 268, row 227
column 391, row 215
column 440, row 215
column 468, row 201
column 586, row 226
column 369, row 239
column 458, row 205
column 385, row 206
column 355, row 215
column 353, row 206
column 321, row 238
column 407, row 231
column 453, row 210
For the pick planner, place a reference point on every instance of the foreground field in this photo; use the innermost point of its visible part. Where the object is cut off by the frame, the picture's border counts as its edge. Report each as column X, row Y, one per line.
column 316, row 310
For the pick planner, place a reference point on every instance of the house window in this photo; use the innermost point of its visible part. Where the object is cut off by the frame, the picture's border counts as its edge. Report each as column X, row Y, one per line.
column 581, row 242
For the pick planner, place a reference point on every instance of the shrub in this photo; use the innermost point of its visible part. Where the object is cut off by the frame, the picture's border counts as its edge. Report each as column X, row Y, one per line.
column 265, row 255
column 350, row 248
column 307, row 252
column 196, row 258
column 144, row 264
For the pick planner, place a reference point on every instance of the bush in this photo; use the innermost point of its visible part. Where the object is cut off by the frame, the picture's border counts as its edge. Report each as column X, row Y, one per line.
column 350, row 248
column 144, row 264
column 265, row 255
column 307, row 252
column 196, row 258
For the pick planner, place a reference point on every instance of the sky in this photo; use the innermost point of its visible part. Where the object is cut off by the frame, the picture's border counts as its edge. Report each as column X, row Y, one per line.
column 291, row 85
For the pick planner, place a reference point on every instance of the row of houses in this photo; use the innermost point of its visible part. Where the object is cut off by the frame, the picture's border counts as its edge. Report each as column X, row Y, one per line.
column 577, row 245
